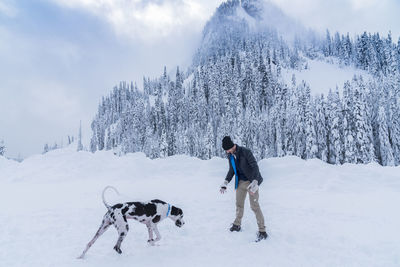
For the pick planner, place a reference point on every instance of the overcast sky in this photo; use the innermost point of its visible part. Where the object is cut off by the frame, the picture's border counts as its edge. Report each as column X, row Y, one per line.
column 59, row 57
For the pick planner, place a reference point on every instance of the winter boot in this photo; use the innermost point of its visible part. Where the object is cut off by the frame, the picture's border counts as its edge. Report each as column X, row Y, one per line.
column 261, row 236
column 235, row 228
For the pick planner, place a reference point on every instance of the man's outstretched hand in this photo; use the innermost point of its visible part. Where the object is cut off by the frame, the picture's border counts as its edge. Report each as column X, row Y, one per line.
column 223, row 187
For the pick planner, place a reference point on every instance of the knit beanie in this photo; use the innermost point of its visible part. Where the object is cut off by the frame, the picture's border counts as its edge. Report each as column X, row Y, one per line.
column 227, row 143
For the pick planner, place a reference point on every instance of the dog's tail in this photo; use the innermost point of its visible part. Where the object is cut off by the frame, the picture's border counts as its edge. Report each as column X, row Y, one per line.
column 104, row 200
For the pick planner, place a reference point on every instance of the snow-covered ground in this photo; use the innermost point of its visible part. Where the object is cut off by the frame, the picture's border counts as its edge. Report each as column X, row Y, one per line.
column 322, row 76
column 316, row 214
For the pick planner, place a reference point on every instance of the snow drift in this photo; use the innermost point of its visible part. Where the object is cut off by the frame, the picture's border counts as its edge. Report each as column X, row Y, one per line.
column 316, row 214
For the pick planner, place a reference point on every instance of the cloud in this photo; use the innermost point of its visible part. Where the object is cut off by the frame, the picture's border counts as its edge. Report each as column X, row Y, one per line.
column 58, row 60
column 39, row 102
column 7, row 8
column 353, row 16
column 363, row 4
column 59, row 57
column 147, row 20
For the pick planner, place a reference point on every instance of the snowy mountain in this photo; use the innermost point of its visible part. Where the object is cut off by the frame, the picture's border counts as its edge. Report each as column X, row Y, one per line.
column 262, row 85
column 236, row 20
column 316, row 214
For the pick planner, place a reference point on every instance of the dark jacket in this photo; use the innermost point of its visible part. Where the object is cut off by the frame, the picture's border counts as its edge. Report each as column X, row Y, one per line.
column 247, row 165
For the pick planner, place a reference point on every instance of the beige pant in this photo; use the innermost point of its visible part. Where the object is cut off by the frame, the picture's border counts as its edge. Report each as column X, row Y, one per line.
column 241, row 192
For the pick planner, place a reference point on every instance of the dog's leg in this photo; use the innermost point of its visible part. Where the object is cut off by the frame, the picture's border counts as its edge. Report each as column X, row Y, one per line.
column 157, row 233
column 103, row 227
column 122, row 228
column 150, row 230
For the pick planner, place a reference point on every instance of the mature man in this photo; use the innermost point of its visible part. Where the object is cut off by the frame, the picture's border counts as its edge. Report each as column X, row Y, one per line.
column 244, row 166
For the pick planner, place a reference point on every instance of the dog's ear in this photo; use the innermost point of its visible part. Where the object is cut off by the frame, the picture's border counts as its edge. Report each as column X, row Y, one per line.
column 176, row 211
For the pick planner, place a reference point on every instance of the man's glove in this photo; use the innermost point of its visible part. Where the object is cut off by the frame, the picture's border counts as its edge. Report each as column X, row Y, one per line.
column 253, row 187
column 223, row 187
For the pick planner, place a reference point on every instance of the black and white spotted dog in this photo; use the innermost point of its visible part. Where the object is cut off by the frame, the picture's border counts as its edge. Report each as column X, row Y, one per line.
column 149, row 213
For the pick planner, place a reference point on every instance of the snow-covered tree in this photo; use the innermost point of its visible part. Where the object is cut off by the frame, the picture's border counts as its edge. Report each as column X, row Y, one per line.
column 335, row 144
column 2, row 148
column 349, row 130
column 311, row 137
column 80, row 146
column 385, row 148
column 321, row 128
column 235, row 87
column 363, row 142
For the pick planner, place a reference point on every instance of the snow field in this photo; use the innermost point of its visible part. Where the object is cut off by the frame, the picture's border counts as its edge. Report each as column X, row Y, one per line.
column 322, row 76
column 316, row 214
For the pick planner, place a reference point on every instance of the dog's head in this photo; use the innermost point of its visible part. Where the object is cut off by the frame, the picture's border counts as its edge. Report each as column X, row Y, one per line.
column 177, row 216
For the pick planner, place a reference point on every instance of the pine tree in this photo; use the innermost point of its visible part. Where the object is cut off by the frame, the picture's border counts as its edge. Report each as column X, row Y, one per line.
column 362, row 47
column 347, row 50
column 2, row 148
column 263, row 84
column 337, row 45
column 394, row 126
column 328, row 45
column 348, row 125
column 291, row 119
column 311, row 138
column 363, row 139
column 396, row 139
column 385, row 148
column 321, row 128
column 80, row 146
column 397, row 55
column 335, row 148
column 46, row 149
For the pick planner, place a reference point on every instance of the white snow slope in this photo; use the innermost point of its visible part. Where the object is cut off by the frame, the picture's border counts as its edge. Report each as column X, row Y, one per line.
column 322, row 76
column 316, row 214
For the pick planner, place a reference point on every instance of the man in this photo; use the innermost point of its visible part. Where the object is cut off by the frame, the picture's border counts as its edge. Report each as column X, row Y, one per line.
column 244, row 166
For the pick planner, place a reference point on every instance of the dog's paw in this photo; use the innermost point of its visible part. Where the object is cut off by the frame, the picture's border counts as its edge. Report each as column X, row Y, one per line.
column 117, row 249
column 150, row 242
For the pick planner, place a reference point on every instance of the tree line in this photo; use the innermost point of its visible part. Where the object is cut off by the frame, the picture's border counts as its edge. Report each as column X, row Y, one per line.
column 237, row 89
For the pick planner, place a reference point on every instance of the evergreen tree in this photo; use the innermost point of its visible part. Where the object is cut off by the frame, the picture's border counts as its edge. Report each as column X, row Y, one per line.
column 328, row 45
column 321, row 128
column 291, row 119
column 394, row 125
column 363, row 140
column 335, row 149
column 385, row 148
column 80, row 146
column 2, row 148
column 362, row 46
column 347, row 50
column 46, row 149
column 311, row 138
column 300, row 122
column 395, row 137
column 348, row 125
